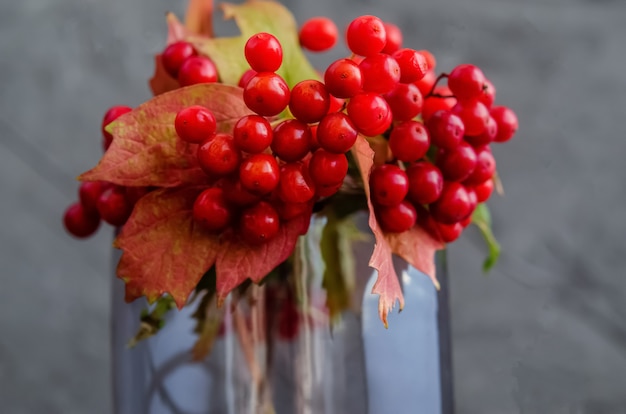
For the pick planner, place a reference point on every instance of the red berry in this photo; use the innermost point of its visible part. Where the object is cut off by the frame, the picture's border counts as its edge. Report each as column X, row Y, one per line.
column 252, row 133
column 336, row 133
column 466, row 81
column 483, row 191
column 236, row 194
column 458, row 163
column 289, row 211
column 366, row 35
column 487, row 137
column 245, row 78
column 446, row 129
column 266, row 94
column 259, row 173
column 485, row 167
column 113, row 206
column 394, row 38
column 318, row 34
column 430, row 59
column 197, row 69
column 314, row 142
column 370, row 113
column 507, row 123
column 405, row 101
column 263, row 52
column 211, row 210
column 389, row 185
column 343, row 78
column 466, row 221
column 413, row 65
column 425, row 183
column 473, row 197
column 426, row 83
column 111, row 115
column 380, row 72
column 79, row 223
column 309, row 101
column 259, row 223
column 449, row 232
column 195, row 124
column 409, row 141
column 474, row 115
column 453, row 205
column 296, row 184
column 292, row 140
column 398, row 218
column 219, row 155
column 327, row 168
column 175, row 54
column 89, row 193
column 433, row 104
column 488, row 96
column 328, row 190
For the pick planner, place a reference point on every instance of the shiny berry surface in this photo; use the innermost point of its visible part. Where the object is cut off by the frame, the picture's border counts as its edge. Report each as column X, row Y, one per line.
column 425, row 183
column 409, row 141
column 259, row 173
column 211, row 210
column 466, row 81
column 336, row 133
column 413, row 65
column 343, row 78
column 398, row 218
column 458, row 163
column 433, row 104
column 485, row 167
column 292, row 140
column 446, row 129
column 327, row 168
column 507, row 123
column 483, row 191
column 259, row 223
column 219, row 155
column 453, row 205
column 370, row 114
column 175, row 54
column 487, row 137
column 389, row 185
column 296, row 184
column 474, row 115
column 405, row 101
column 197, row 69
column 252, row 134
column 266, row 94
column 380, row 72
column 195, row 124
column 366, row 35
column 309, row 101
column 263, row 52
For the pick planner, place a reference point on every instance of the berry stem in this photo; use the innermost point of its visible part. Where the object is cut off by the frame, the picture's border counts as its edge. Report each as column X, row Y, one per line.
column 432, row 90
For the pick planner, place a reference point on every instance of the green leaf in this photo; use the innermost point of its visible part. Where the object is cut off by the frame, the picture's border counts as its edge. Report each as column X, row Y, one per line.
column 153, row 320
column 482, row 219
column 254, row 17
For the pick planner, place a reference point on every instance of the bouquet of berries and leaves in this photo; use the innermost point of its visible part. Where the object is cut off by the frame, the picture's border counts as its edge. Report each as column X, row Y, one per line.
column 212, row 181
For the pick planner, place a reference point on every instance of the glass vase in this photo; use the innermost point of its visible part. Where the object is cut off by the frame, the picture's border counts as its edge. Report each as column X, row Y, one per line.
column 279, row 350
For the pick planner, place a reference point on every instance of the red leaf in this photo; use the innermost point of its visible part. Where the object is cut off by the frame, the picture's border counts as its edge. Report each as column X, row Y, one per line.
column 164, row 251
column 415, row 246
column 238, row 261
column 146, row 150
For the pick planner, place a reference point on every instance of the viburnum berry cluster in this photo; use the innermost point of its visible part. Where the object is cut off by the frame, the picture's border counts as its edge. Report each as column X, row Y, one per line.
column 274, row 142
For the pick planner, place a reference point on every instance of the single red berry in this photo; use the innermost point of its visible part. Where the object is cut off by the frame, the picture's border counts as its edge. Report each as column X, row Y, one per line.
column 398, row 218
column 487, row 137
column 446, row 129
column 89, row 193
column 485, row 167
column 483, row 191
column 266, row 94
column 389, row 185
column 111, row 115
column 113, row 206
column 366, row 35
column 259, row 173
column 259, row 223
column 413, row 65
column 430, row 59
column 296, row 184
column 458, row 163
column 327, row 168
column 309, row 101
column 488, row 96
column 433, row 104
column 252, row 133
column 175, row 54
column 236, row 194
column 427, row 82
column 449, row 232
column 318, row 34
column 507, row 123
column 292, row 140
column 343, row 78
column 474, row 114
column 211, row 210
column 425, row 183
column 195, row 124
column 466, row 81
column 289, row 211
column 336, row 133
column 380, row 72
column 219, row 155
column 370, row 113
column 394, row 38
column 453, row 205
column 405, row 101
column 245, row 78
column 263, row 52
column 197, row 69
column 79, row 223
column 409, row 141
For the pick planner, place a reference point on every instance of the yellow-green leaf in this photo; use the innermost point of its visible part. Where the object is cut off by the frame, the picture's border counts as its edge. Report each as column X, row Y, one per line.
column 482, row 219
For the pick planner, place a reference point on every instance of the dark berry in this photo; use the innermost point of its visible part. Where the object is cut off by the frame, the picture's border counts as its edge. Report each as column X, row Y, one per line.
column 259, row 223
column 89, row 193
column 113, row 206
column 398, row 218
column 211, row 210
column 79, row 223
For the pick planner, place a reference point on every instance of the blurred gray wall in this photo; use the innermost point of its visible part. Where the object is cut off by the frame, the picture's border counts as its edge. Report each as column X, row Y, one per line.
column 543, row 333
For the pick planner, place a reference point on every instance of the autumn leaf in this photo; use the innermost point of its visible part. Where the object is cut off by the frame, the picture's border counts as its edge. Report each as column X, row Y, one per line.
column 254, row 17
column 199, row 17
column 482, row 219
column 164, row 250
column 146, row 150
column 238, row 261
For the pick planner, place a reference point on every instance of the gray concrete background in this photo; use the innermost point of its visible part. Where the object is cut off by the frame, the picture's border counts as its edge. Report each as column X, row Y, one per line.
column 544, row 333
